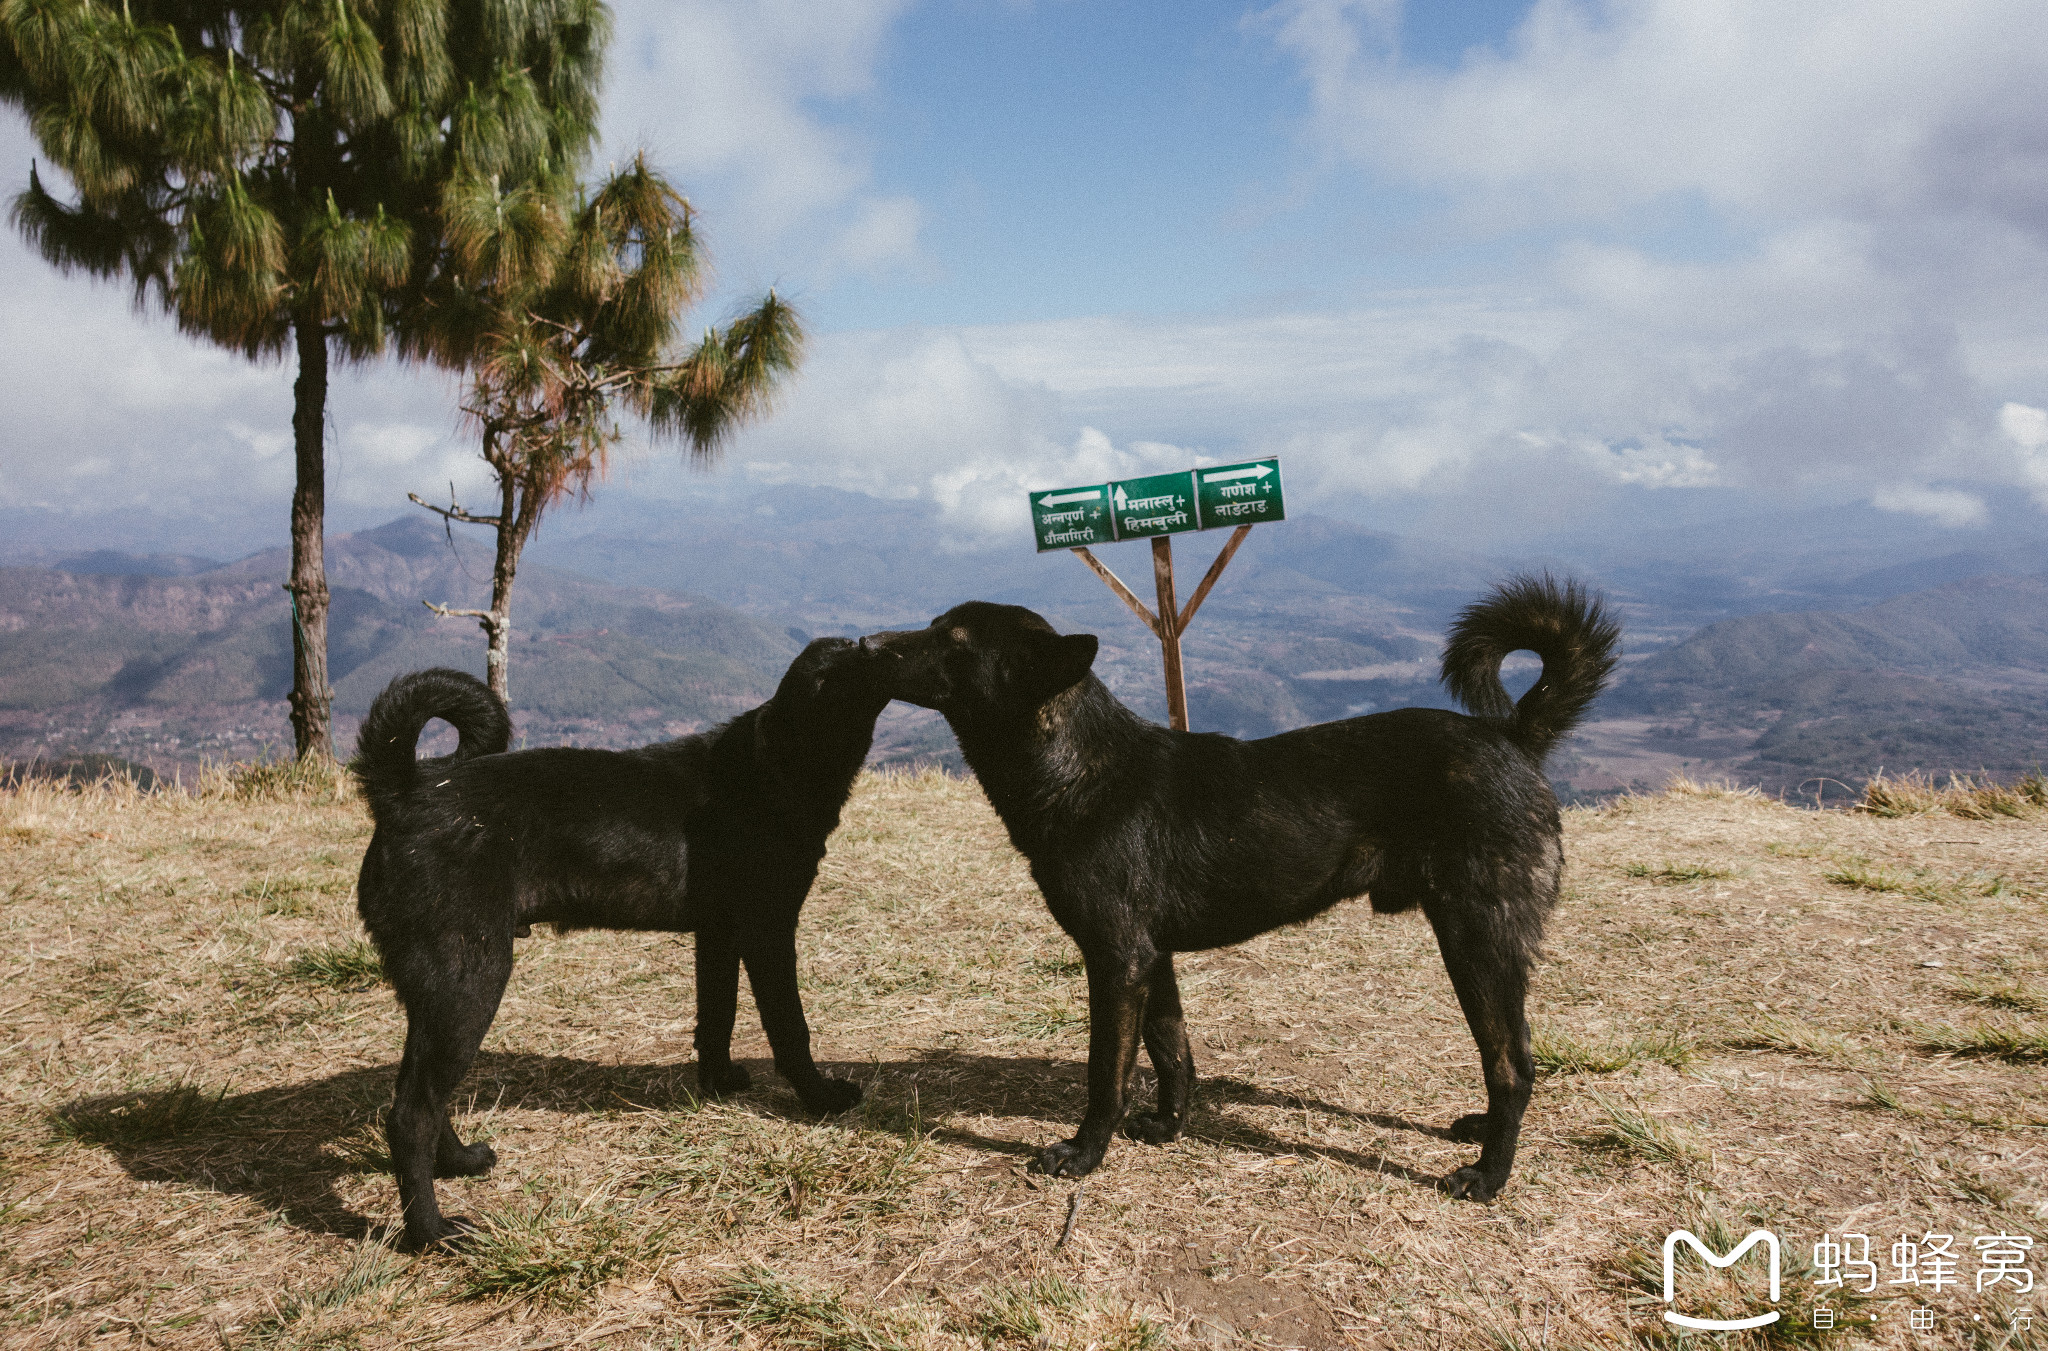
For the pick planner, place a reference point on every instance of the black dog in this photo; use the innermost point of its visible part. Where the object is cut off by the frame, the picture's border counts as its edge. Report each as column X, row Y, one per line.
column 1148, row 842
column 720, row 833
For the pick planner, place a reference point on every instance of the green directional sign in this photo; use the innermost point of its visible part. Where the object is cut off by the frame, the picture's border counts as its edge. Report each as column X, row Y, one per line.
column 1163, row 504
column 1160, row 504
column 1069, row 518
column 1240, row 494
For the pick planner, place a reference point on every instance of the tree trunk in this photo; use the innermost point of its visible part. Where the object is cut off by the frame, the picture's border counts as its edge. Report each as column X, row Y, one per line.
column 312, row 702
column 515, row 522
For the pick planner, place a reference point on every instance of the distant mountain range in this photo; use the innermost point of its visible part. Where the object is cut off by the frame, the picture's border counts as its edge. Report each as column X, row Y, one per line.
column 1950, row 678
column 167, row 662
column 1782, row 668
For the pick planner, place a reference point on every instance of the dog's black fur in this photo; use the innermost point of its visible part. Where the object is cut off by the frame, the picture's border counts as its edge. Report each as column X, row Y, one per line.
column 718, row 833
column 1147, row 842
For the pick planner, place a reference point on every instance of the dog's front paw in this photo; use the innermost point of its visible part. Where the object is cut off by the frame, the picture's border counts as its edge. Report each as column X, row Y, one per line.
column 470, row 1161
column 448, row 1233
column 1153, row 1128
column 1068, row 1158
column 1471, row 1185
column 1471, row 1129
column 717, row 1080
column 831, row 1095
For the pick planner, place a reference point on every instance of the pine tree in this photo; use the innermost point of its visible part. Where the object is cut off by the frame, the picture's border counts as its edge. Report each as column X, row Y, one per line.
column 567, row 314
column 276, row 174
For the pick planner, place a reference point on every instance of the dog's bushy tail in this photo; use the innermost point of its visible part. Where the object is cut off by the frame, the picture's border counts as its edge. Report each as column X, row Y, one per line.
column 1565, row 625
column 386, row 747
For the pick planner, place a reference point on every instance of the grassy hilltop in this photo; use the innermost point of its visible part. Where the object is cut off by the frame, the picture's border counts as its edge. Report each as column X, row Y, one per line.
column 1749, row 1014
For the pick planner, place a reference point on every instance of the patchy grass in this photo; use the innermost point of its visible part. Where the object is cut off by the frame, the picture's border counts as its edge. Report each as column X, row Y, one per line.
column 1684, row 785
column 292, row 897
column 1676, row 874
column 353, row 966
column 1918, row 794
column 2018, row 995
column 1026, row 1311
column 1630, row 1130
column 310, row 781
column 2006, row 1041
column 793, row 1314
column 1559, row 1054
column 1883, row 1095
column 1794, row 1037
column 338, row 1313
column 1918, row 883
column 199, row 1061
column 734, row 1171
column 550, row 1251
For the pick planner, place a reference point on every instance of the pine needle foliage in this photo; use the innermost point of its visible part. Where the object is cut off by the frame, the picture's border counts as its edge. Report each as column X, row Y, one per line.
column 567, row 312
column 277, row 174
column 258, row 167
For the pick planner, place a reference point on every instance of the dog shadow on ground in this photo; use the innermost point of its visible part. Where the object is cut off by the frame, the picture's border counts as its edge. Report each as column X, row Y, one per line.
column 951, row 1084
column 287, row 1148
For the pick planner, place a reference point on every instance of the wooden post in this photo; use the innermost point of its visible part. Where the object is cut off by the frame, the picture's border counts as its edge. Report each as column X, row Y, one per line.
column 1171, row 622
column 1169, row 633
column 1209, row 578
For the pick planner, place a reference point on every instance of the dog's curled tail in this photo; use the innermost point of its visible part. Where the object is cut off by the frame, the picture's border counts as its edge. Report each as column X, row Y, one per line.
column 386, row 747
column 1565, row 625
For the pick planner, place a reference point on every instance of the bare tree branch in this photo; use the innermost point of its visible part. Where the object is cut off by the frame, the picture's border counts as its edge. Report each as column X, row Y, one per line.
column 454, row 512
column 485, row 617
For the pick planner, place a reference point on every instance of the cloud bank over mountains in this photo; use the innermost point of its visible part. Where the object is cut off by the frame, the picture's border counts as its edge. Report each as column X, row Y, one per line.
column 1786, row 252
column 1806, row 239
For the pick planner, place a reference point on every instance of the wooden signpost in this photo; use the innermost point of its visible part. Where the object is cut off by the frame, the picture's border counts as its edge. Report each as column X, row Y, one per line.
column 1157, row 508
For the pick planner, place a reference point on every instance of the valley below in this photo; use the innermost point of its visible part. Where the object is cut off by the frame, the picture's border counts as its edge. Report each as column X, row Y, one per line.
column 1800, row 679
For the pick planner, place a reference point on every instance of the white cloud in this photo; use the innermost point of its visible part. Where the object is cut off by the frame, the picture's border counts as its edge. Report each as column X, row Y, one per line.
column 730, row 96
column 2027, row 428
column 1806, row 244
column 1943, row 506
column 1837, row 107
column 1864, row 316
column 911, row 413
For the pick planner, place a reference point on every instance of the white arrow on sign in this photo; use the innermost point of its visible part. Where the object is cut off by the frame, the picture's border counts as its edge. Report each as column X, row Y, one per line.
column 1054, row 501
column 1120, row 498
column 1256, row 471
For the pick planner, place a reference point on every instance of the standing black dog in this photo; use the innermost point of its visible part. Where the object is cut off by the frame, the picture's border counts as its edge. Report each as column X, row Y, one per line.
column 1148, row 842
column 720, row 833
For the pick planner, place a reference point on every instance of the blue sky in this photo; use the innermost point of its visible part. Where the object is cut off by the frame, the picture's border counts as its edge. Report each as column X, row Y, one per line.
column 1075, row 158
column 1498, row 269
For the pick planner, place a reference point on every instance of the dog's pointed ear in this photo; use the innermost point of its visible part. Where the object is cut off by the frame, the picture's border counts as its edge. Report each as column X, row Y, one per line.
column 1063, row 659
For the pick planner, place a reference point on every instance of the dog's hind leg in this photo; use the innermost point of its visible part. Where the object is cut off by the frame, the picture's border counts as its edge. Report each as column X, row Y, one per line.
column 446, row 1024
column 1173, row 1060
column 1491, row 976
column 771, row 971
column 1117, row 987
column 718, row 994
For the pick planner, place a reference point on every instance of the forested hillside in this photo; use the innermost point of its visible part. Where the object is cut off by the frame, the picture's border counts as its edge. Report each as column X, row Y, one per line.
column 171, row 669
column 1954, row 678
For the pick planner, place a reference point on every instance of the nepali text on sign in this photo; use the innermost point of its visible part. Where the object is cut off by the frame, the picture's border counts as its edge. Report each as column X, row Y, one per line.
column 1159, row 504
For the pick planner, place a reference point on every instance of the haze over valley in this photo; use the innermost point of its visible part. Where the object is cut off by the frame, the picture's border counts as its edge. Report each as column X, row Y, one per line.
column 1867, row 648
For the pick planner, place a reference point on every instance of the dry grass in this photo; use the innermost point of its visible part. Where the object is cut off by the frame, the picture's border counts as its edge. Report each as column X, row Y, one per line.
column 1767, row 1032
column 199, row 1050
column 1960, row 795
column 1676, row 874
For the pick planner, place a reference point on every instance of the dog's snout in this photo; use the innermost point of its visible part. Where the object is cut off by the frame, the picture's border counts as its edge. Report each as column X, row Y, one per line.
column 881, row 644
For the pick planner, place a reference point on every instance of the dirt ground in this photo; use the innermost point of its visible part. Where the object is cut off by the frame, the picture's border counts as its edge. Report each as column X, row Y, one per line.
column 1751, row 1016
